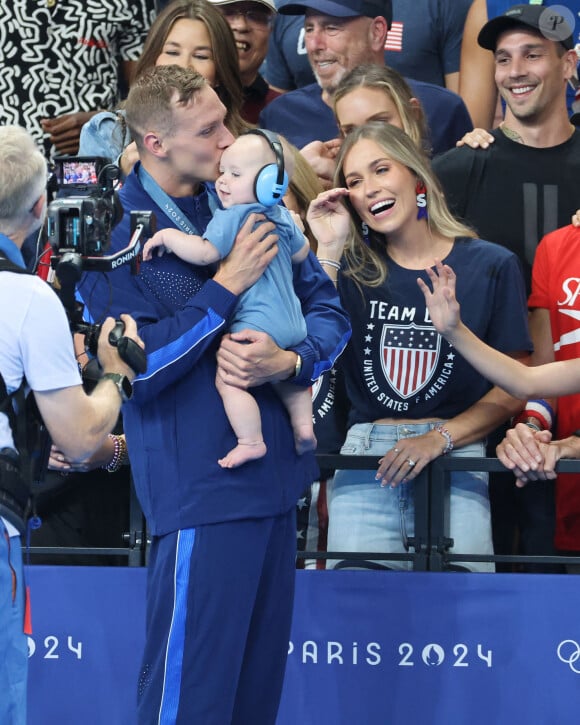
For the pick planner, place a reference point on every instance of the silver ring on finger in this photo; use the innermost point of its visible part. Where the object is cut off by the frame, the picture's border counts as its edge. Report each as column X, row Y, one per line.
column 411, row 463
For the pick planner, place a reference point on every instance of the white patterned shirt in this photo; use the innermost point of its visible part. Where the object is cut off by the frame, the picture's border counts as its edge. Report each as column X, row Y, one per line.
column 62, row 56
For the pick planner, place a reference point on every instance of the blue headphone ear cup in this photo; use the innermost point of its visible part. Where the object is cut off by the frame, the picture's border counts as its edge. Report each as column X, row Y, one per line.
column 266, row 188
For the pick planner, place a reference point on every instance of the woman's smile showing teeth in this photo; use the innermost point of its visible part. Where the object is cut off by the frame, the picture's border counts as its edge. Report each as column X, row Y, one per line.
column 382, row 191
column 382, row 206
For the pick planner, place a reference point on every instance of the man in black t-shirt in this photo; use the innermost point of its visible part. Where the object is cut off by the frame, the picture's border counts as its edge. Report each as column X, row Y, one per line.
column 521, row 187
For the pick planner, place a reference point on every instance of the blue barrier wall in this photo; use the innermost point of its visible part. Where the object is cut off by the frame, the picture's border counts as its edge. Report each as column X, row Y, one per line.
column 367, row 648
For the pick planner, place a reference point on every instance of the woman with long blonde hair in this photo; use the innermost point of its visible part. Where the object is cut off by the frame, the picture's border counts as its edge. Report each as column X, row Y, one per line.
column 413, row 398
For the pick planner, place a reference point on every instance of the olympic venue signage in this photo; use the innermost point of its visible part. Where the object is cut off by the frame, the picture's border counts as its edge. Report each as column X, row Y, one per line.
column 369, row 648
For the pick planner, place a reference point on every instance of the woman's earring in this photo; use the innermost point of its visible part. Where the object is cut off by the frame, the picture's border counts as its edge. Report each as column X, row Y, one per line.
column 421, row 191
column 365, row 233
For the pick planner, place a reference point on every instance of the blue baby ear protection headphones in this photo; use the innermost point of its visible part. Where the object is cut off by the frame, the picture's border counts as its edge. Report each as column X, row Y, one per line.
column 271, row 181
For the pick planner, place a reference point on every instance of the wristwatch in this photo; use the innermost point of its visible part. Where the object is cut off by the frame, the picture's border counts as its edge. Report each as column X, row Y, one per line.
column 123, row 384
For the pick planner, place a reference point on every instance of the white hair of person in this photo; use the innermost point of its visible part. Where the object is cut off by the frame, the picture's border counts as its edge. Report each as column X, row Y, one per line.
column 23, row 174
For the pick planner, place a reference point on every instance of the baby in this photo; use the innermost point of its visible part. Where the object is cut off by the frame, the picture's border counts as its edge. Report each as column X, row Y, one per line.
column 253, row 179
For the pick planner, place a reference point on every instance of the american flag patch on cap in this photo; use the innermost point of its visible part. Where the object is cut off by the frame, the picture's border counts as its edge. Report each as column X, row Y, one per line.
column 394, row 39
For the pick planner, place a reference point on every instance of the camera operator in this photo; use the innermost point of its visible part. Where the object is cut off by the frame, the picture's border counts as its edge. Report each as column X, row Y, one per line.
column 36, row 346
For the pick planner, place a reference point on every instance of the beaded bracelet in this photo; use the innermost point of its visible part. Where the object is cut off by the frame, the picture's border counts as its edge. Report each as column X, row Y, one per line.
column 119, row 454
column 448, row 439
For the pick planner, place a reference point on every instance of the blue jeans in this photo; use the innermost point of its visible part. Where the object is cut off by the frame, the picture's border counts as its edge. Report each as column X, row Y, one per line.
column 13, row 641
column 365, row 517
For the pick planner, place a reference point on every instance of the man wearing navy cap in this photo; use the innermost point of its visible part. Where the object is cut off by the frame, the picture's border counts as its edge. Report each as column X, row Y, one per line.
column 339, row 35
column 546, row 20
column 424, row 42
column 523, row 185
column 520, row 188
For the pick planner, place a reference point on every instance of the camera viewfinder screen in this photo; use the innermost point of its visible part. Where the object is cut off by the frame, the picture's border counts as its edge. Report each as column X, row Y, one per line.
column 79, row 172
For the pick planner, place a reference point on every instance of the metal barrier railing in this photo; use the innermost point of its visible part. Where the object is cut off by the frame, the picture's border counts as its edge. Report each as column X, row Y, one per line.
column 135, row 551
column 430, row 544
column 439, row 483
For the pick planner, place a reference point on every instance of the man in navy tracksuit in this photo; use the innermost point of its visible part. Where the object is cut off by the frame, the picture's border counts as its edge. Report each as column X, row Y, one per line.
column 222, row 564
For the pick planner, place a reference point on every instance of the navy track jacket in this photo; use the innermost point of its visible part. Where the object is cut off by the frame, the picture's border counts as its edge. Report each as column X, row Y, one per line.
column 175, row 424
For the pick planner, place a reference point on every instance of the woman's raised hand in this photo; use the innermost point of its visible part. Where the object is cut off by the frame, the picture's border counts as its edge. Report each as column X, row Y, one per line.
column 440, row 298
column 329, row 221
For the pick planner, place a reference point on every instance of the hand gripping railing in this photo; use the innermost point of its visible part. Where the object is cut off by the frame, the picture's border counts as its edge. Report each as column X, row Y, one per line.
column 431, row 543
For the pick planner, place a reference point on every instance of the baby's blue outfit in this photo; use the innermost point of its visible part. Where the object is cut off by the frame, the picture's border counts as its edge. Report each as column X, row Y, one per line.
column 269, row 305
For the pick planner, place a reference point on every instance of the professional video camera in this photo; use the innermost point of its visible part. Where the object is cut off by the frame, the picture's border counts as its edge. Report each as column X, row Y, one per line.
column 87, row 208
column 80, row 221
column 79, row 225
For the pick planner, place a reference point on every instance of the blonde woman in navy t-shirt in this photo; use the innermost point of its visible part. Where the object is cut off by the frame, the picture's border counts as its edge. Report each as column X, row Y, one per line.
column 413, row 397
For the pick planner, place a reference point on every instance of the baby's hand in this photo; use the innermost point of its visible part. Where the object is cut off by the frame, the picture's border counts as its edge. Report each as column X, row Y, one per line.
column 152, row 244
column 296, row 218
column 576, row 218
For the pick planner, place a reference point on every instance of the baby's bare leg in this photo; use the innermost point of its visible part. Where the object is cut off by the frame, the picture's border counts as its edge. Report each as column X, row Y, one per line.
column 298, row 402
column 244, row 416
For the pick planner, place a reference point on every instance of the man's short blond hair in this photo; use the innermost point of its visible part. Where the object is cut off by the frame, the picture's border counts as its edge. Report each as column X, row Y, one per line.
column 23, row 175
column 152, row 99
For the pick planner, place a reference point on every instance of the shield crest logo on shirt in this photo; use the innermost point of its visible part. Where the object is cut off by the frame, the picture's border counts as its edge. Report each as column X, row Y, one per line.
column 409, row 355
